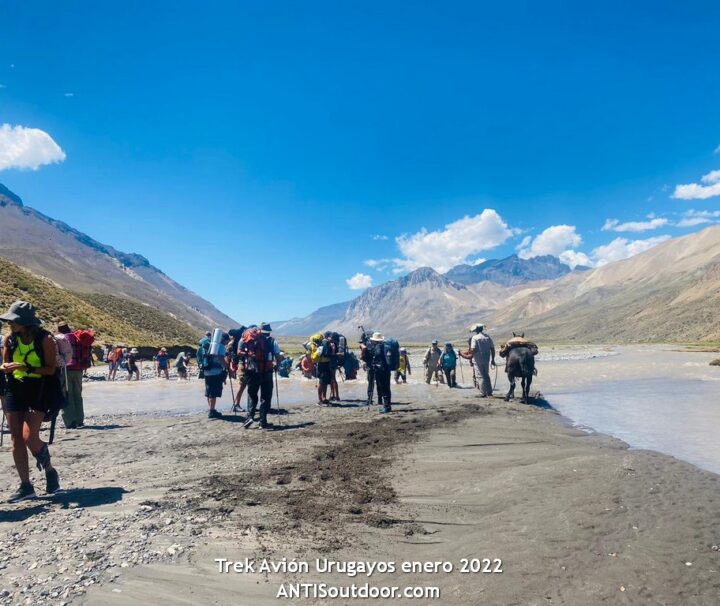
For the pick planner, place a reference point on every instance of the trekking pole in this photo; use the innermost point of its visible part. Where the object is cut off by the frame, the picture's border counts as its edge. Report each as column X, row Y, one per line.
column 462, row 375
column 232, row 393
column 277, row 391
column 2, row 429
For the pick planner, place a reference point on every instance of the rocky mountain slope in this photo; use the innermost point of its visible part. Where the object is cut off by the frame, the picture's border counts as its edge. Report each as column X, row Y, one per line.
column 114, row 319
column 426, row 304
column 510, row 271
column 670, row 293
column 76, row 262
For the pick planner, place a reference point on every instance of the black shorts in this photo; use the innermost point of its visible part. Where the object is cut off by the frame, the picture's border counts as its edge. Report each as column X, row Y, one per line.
column 325, row 373
column 213, row 386
column 24, row 396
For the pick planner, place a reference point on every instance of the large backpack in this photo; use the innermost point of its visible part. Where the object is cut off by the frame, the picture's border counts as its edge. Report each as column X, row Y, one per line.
column 236, row 334
column 82, row 352
column 317, row 349
column 204, row 359
column 52, row 390
column 340, row 343
column 257, row 348
column 392, row 354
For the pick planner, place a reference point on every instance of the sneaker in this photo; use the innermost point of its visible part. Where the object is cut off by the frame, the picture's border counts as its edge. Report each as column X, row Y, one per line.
column 248, row 422
column 266, row 426
column 214, row 414
column 25, row 492
column 385, row 409
column 52, row 481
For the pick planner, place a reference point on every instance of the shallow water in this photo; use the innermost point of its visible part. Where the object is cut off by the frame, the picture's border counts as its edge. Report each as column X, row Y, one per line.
column 650, row 397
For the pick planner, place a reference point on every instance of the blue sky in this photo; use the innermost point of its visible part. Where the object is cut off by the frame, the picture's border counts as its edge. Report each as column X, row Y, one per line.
column 298, row 141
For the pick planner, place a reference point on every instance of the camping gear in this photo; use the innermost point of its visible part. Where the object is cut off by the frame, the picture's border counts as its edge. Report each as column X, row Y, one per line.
column 216, row 341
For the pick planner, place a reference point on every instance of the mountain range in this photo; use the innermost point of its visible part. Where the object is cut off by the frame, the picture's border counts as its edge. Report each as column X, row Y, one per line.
column 670, row 293
column 98, row 274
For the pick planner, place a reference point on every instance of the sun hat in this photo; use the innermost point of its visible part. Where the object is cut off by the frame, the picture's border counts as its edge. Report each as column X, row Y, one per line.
column 265, row 327
column 475, row 327
column 434, row 342
column 134, row 350
column 403, row 349
column 22, row 313
column 163, row 349
column 377, row 336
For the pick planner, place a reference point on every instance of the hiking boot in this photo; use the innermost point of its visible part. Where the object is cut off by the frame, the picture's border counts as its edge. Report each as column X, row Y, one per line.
column 385, row 409
column 214, row 414
column 266, row 425
column 52, row 481
column 25, row 492
column 248, row 422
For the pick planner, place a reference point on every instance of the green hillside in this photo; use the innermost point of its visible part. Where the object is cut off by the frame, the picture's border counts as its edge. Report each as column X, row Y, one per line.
column 114, row 319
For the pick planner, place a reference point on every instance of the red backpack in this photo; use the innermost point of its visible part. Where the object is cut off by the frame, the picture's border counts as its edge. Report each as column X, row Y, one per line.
column 82, row 354
column 255, row 346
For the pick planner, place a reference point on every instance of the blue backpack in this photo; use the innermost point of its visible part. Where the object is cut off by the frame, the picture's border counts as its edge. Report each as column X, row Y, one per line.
column 392, row 354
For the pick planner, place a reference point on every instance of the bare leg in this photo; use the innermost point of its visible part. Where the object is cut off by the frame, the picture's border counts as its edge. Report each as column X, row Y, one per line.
column 16, row 422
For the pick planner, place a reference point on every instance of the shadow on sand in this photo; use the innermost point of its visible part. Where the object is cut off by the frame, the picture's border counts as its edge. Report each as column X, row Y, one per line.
column 72, row 498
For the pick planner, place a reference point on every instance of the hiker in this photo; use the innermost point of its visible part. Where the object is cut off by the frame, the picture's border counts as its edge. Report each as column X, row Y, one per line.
column 321, row 352
column 64, row 357
column 132, row 367
column 261, row 351
column 162, row 360
column 365, row 356
column 214, row 371
column 29, row 359
column 404, row 369
column 448, row 363
column 334, row 365
column 482, row 354
column 351, row 366
column 74, row 414
column 378, row 361
column 285, row 367
column 430, row 361
column 114, row 358
column 307, row 367
column 181, row 364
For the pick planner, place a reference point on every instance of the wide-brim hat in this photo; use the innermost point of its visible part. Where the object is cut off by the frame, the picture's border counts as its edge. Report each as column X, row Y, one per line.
column 163, row 349
column 22, row 313
column 377, row 336
column 475, row 327
column 434, row 342
column 266, row 328
column 134, row 351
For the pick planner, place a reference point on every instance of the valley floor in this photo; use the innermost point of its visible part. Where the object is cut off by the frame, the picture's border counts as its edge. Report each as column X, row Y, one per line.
column 151, row 502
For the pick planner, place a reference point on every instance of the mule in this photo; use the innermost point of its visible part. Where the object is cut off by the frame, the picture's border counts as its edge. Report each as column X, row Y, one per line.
column 520, row 365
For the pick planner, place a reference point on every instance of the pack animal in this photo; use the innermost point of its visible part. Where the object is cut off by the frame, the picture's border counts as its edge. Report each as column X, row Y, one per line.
column 520, row 365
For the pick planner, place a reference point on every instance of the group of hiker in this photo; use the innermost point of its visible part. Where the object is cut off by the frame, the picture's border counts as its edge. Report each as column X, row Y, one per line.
column 119, row 357
column 41, row 374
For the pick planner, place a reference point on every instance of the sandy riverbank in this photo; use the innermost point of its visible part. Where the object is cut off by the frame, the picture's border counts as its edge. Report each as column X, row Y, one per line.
column 150, row 502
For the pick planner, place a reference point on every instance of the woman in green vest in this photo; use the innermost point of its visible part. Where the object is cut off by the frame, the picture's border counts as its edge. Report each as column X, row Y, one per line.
column 28, row 360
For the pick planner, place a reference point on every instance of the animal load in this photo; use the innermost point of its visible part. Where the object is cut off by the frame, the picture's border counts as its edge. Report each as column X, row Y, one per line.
column 518, row 341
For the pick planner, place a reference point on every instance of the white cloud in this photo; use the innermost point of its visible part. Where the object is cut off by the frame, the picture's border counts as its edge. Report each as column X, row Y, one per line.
column 712, row 177
column 379, row 237
column 552, row 241
column 717, row 149
column 574, row 258
column 359, row 281
column 696, row 191
column 378, row 264
column 693, row 218
column 453, row 245
column 22, row 147
column 69, row 94
column 615, row 225
column 622, row 248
